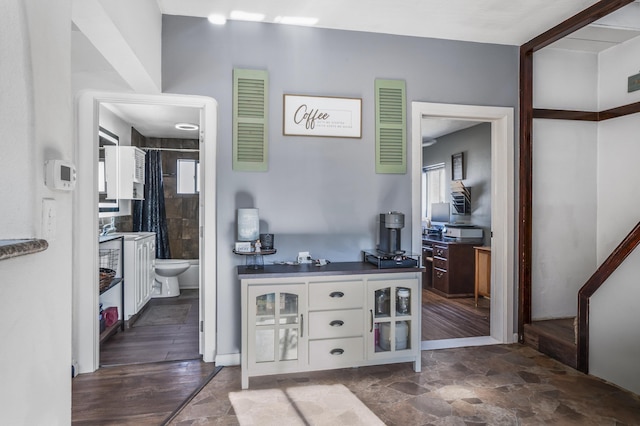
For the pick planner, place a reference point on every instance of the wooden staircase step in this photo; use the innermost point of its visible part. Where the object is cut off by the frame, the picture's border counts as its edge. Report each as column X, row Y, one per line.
column 555, row 337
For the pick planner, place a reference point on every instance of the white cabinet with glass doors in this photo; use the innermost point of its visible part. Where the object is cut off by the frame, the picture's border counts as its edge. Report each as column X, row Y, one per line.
column 329, row 320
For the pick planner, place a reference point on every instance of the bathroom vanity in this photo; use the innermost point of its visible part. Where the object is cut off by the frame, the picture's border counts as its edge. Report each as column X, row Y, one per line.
column 303, row 317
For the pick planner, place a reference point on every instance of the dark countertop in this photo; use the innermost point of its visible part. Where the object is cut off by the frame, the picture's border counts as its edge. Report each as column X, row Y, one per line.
column 449, row 240
column 309, row 269
column 14, row 248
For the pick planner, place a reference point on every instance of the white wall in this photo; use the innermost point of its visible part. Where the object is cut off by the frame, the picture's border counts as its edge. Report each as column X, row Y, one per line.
column 128, row 36
column 140, row 23
column 564, row 79
column 615, row 67
column 36, row 117
column 614, row 336
column 564, row 183
column 16, row 119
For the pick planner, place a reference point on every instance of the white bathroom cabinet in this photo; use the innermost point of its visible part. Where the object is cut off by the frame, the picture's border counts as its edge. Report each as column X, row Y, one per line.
column 139, row 271
column 295, row 318
column 124, row 167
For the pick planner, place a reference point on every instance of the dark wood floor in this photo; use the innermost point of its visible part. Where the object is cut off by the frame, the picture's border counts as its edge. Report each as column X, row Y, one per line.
column 147, row 372
column 144, row 344
column 141, row 394
column 444, row 318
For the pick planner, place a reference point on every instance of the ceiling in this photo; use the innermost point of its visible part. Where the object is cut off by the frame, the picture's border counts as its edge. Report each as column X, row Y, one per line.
column 507, row 22
column 511, row 22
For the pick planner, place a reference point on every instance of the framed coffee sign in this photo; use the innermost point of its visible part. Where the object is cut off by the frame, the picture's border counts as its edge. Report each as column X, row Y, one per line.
column 322, row 116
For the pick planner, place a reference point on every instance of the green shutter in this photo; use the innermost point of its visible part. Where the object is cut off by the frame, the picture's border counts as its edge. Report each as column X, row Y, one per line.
column 391, row 126
column 250, row 118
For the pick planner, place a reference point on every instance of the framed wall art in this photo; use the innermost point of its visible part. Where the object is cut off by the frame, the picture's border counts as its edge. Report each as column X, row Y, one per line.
column 457, row 166
column 322, row 116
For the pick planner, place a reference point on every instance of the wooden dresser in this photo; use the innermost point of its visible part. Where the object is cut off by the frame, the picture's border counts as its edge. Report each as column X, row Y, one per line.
column 453, row 268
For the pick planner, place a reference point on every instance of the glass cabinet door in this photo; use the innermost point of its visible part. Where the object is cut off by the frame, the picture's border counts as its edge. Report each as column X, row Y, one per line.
column 275, row 330
column 390, row 307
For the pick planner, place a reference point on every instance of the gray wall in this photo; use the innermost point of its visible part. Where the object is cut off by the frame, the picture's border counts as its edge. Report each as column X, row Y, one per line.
column 475, row 144
column 320, row 194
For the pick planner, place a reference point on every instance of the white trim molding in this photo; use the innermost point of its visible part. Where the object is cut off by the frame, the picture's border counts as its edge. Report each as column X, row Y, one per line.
column 85, row 209
column 503, row 242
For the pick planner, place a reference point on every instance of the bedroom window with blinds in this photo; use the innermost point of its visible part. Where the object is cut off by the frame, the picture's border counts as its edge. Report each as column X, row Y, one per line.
column 433, row 187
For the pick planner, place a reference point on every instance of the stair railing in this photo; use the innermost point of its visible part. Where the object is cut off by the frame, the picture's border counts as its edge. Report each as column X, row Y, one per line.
column 612, row 262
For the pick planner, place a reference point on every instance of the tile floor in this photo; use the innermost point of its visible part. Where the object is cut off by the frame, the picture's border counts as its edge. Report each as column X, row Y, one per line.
column 490, row 385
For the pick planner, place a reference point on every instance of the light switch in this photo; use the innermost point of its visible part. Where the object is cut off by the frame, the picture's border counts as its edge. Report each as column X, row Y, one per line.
column 48, row 219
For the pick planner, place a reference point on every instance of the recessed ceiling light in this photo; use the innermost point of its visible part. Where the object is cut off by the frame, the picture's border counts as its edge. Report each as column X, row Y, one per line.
column 296, row 20
column 217, row 19
column 246, row 16
column 186, row 126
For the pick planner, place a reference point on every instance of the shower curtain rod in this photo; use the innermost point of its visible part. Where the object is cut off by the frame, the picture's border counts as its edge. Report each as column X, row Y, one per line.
column 146, row 148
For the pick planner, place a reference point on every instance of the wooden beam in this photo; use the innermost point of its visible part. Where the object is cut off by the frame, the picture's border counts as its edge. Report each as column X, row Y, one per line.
column 582, row 19
column 560, row 114
column 525, row 188
column 619, row 111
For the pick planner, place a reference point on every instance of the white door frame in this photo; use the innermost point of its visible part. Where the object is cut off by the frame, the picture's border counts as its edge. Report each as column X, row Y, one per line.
column 503, row 243
column 86, row 350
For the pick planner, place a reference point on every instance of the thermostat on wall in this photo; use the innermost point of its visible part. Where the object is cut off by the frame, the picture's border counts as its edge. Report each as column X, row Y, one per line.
column 60, row 175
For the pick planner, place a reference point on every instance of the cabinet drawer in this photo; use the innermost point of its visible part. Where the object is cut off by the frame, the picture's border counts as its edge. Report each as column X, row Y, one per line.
column 332, row 324
column 440, row 280
column 336, row 295
column 440, row 263
column 441, row 251
column 334, row 353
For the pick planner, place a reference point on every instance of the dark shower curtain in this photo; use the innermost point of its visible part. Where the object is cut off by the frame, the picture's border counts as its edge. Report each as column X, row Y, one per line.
column 149, row 214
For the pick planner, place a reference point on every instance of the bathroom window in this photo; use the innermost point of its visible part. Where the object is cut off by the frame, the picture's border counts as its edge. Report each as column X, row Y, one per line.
column 188, row 176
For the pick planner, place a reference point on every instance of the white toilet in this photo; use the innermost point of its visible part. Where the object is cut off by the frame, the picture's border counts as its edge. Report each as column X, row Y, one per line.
column 167, row 271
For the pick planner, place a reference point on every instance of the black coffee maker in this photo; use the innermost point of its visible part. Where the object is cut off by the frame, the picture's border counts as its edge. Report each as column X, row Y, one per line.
column 389, row 233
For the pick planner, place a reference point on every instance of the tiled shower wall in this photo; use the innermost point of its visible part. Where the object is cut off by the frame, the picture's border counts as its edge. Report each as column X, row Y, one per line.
column 182, row 209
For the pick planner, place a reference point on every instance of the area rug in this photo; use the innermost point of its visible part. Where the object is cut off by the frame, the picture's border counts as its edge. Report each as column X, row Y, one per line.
column 301, row 405
column 164, row 315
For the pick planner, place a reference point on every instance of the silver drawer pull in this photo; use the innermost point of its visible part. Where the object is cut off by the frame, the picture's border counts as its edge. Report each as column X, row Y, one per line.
column 336, row 323
column 336, row 294
column 337, row 351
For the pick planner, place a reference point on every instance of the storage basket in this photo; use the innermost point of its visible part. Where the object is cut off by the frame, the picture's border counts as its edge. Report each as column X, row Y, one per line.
column 108, row 266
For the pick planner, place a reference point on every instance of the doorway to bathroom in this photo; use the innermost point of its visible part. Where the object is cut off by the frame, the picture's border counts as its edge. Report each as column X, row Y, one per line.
column 193, row 238
column 163, row 324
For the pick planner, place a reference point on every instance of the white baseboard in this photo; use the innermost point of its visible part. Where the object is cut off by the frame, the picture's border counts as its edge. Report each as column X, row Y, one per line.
column 228, row 359
column 458, row 343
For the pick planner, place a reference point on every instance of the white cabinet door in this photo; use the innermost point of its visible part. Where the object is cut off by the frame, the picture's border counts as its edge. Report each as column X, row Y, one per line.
column 139, row 268
column 393, row 307
column 275, row 334
column 124, row 167
column 148, row 275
